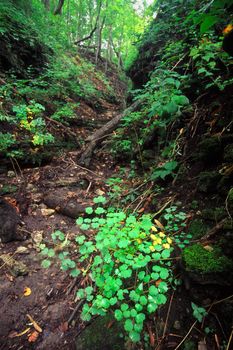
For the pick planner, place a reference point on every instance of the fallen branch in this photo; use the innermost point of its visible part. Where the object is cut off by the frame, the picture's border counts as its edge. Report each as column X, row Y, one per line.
column 97, row 137
column 214, row 230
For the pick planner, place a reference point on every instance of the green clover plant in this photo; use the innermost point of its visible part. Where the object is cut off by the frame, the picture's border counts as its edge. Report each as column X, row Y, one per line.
column 127, row 261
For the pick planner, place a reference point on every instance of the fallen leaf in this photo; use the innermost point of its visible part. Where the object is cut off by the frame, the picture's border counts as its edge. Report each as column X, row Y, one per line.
column 47, row 212
column 33, row 337
column 63, row 327
column 157, row 283
column 22, row 250
column 15, row 334
column 158, row 223
column 35, row 324
column 27, row 291
column 109, row 325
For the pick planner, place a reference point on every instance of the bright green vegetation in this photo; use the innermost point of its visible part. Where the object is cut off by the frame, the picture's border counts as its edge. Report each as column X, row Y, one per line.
column 181, row 49
column 202, row 260
column 128, row 260
column 48, row 72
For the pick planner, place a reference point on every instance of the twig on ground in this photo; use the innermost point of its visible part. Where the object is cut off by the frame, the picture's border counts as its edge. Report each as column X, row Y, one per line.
column 182, row 341
column 229, row 341
column 77, row 307
column 168, row 313
column 164, row 206
column 214, row 230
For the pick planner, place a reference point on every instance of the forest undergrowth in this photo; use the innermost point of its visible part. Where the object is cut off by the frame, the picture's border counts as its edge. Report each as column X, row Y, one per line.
column 136, row 240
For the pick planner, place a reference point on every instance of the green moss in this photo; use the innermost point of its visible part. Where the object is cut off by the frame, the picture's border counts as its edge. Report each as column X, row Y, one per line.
column 198, row 228
column 197, row 258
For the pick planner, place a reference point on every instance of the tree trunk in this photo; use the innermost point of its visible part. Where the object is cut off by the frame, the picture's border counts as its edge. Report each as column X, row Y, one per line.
column 58, row 9
column 98, row 136
column 89, row 36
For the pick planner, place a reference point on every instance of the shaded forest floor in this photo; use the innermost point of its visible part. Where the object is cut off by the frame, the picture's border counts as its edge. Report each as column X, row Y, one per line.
column 51, row 198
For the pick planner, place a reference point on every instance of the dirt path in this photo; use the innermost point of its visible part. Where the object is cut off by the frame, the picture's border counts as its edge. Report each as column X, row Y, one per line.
column 51, row 299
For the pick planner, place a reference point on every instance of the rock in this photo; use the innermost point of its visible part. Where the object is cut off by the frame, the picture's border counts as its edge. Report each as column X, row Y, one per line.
column 99, row 336
column 10, row 174
column 22, row 250
column 47, row 211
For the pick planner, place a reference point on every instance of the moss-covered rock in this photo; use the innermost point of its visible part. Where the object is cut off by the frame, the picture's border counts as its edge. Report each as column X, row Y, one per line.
column 199, row 259
column 208, row 181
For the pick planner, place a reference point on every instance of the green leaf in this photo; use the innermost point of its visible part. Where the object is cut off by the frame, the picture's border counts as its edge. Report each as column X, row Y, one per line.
column 164, row 273
column 134, row 336
column 75, row 273
column 208, row 22
column 152, row 307
column 79, row 221
column 46, row 263
column 80, row 239
column 140, row 318
column 161, row 299
column 128, row 326
column 89, row 210
column 165, row 254
column 99, row 210
column 118, row 315
column 143, row 300
column 99, row 199
column 124, row 307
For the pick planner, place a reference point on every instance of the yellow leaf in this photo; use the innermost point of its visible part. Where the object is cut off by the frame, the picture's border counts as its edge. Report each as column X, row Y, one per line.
column 166, row 245
column 35, row 324
column 139, row 241
column 152, row 249
column 162, row 234
column 153, row 237
column 153, row 228
column 208, row 248
column 227, row 29
column 27, row 291
column 158, row 223
column 169, row 240
column 157, row 241
column 23, row 332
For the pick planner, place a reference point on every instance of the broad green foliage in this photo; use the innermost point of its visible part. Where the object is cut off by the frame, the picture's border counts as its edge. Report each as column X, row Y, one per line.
column 127, row 261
